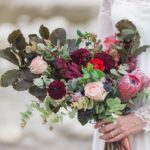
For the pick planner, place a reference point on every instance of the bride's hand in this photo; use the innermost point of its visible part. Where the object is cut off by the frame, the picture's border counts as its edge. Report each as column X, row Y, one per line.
column 124, row 126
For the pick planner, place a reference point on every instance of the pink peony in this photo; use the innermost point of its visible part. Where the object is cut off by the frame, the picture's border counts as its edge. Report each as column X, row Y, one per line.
column 95, row 91
column 145, row 80
column 128, row 86
column 109, row 41
column 38, row 65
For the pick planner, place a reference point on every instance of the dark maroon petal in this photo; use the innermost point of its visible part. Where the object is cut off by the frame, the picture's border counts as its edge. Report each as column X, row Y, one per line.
column 80, row 56
column 108, row 60
column 57, row 90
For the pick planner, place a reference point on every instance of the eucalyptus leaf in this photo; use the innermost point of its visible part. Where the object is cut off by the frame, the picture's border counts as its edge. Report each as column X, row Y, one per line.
column 125, row 24
column 25, row 80
column 44, row 32
column 17, row 39
column 79, row 40
column 58, row 35
column 79, row 33
column 8, row 55
column 9, row 77
column 139, row 50
column 38, row 92
column 72, row 44
column 34, row 38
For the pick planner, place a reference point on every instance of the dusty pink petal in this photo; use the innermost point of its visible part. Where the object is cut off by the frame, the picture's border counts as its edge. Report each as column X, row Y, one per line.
column 145, row 80
column 128, row 86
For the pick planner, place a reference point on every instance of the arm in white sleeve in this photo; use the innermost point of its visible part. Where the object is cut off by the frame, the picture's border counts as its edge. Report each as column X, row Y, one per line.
column 105, row 21
column 144, row 114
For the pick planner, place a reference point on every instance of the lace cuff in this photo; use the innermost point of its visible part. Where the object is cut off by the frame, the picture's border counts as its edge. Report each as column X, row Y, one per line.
column 144, row 114
column 105, row 21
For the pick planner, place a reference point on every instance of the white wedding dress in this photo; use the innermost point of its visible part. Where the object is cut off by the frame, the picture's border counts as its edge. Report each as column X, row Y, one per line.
column 137, row 11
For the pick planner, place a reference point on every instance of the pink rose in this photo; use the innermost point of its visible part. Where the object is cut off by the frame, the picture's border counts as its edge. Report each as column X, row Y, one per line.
column 109, row 41
column 95, row 91
column 38, row 65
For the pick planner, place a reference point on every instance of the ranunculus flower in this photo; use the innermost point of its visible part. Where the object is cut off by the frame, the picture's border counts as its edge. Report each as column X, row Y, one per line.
column 108, row 60
column 128, row 86
column 95, row 91
column 68, row 69
column 97, row 64
column 80, row 56
column 109, row 41
column 38, row 65
column 145, row 80
column 57, row 90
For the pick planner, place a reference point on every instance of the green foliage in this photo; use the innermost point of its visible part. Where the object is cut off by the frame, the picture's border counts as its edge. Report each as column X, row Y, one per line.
column 17, row 39
column 72, row 113
column 72, row 44
column 109, row 109
column 140, row 50
column 58, row 37
column 74, row 85
column 44, row 32
column 83, row 103
column 39, row 93
column 122, row 69
column 25, row 116
column 25, row 80
column 129, row 32
column 90, row 74
column 9, row 77
column 11, row 56
column 43, row 81
column 34, row 38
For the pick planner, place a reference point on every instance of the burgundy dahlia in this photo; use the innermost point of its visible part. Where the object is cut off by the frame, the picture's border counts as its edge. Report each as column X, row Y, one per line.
column 108, row 60
column 57, row 90
column 128, row 86
column 68, row 69
column 80, row 56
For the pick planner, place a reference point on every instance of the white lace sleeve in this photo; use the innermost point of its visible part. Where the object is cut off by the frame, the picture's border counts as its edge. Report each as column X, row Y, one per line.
column 144, row 114
column 105, row 22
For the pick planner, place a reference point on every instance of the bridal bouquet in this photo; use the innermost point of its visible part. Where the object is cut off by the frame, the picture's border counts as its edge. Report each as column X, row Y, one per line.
column 80, row 77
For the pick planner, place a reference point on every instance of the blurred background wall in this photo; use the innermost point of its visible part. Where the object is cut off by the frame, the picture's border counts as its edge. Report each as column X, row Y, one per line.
column 28, row 15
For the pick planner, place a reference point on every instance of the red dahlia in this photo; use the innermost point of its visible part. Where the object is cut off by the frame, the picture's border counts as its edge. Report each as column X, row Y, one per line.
column 80, row 56
column 57, row 90
column 97, row 64
column 108, row 60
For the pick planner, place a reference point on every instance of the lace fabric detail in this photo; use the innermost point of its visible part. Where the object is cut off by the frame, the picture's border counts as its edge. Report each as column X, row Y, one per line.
column 142, row 4
column 105, row 6
column 144, row 114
